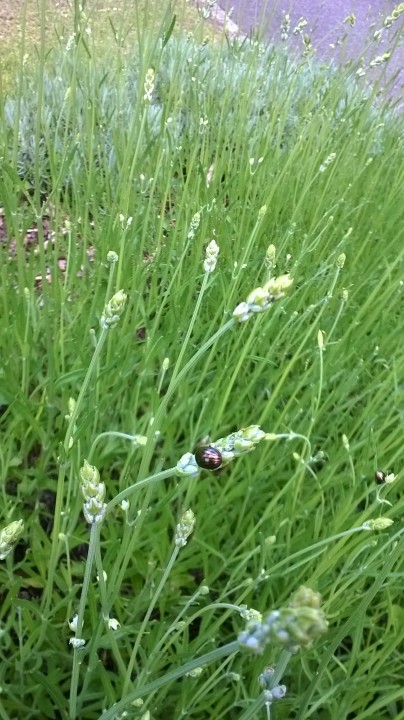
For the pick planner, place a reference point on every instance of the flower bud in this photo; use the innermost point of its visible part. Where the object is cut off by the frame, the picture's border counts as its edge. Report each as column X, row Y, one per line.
column 90, row 482
column 241, row 313
column 280, row 285
column 380, row 523
column 73, row 623
column 93, row 493
column 293, row 627
column 94, row 511
column 9, row 537
column 187, row 466
column 113, row 624
column 278, row 692
column 112, row 257
column 249, row 614
column 149, row 86
column 113, row 310
column 184, row 528
column 261, row 298
column 265, row 678
column 212, row 252
column 270, row 257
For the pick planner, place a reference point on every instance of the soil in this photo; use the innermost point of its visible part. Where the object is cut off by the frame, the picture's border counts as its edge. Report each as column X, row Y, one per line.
column 12, row 15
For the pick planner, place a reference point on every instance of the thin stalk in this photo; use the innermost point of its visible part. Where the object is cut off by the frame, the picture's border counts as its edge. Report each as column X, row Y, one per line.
column 280, row 667
column 170, row 391
column 146, row 618
column 94, row 540
column 170, row 677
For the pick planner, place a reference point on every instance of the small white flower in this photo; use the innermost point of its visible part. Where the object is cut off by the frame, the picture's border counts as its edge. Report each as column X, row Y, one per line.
column 113, row 624
column 212, row 251
column 149, row 86
column 331, row 157
column 186, row 466
column 184, row 528
column 77, row 643
column 380, row 59
column 210, row 173
column 195, row 221
column 73, row 623
column 249, row 614
column 112, row 257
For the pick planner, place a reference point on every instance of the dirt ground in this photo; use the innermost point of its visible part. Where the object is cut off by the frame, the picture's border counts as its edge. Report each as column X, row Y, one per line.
column 12, row 15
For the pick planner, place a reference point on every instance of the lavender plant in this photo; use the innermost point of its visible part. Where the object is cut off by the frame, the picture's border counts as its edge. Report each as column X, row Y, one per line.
column 201, row 179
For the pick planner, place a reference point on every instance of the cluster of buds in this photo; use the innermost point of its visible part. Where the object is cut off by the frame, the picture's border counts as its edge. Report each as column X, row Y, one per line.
column 184, row 528
column 271, row 692
column 212, row 251
column 149, row 83
column 93, row 493
column 9, row 537
column 228, row 448
column 206, row 7
column 296, row 626
column 396, row 13
column 113, row 310
column 285, row 26
column 195, row 222
column 262, row 298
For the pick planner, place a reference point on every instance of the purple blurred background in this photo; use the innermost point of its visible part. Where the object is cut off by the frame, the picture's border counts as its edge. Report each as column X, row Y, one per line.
column 327, row 29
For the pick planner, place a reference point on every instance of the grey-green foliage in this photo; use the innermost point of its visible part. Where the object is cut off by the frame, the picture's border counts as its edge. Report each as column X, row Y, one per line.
column 108, row 100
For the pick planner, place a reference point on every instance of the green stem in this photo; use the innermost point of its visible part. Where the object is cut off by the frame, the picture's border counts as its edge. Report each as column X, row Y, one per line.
column 71, row 426
column 94, row 539
column 280, row 667
column 396, row 551
column 170, row 391
column 62, row 473
column 111, row 433
column 147, row 618
column 136, row 486
column 170, row 677
column 190, row 328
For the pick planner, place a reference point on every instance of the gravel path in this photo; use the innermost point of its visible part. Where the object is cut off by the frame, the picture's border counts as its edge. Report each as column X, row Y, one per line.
column 326, row 28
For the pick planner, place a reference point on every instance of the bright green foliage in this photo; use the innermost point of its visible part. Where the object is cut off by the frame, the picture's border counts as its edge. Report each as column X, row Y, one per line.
column 123, row 177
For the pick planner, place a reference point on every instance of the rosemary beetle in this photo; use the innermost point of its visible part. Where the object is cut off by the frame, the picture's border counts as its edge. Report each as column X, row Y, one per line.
column 208, row 458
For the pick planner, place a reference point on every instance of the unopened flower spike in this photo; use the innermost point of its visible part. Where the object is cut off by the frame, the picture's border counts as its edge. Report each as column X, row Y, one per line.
column 381, row 523
column 113, row 310
column 9, row 537
column 93, row 492
column 270, row 258
column 262, row 298
column 296, row 626
column 249, row 614
column 195, row 222
column 187, row 467
column 222, row 451
column 212, row 252
column 112, row 257
column 184, row 528
column 113, row 624
column 271, row 692
column 149, row 86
